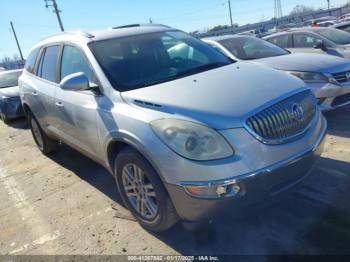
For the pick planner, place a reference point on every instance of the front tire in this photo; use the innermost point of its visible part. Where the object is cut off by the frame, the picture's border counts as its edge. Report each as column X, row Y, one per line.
column 143, row 192
column 45, row 144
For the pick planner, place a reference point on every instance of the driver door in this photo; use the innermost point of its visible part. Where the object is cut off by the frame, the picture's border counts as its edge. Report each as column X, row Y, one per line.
column 78, row 109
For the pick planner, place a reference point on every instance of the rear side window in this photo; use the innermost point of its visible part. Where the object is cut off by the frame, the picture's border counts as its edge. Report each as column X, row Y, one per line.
column 30, row 63
column 73, row 61
column 305, row 41
column 48, row 64
column 281, row 41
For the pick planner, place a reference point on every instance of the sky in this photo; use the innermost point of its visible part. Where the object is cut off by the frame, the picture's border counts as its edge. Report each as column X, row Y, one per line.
column 33, row 22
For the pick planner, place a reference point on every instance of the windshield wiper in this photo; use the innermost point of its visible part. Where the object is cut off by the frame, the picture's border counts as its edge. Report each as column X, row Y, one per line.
column 202, row 68
column 6, row 86
column 192, row 71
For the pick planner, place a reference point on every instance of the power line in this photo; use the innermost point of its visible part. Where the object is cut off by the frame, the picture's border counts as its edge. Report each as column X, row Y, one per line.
column 18, row 46
column 56, row 10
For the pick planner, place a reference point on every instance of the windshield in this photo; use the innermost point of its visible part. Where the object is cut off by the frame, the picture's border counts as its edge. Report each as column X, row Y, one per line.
column 336, row 36
column 247, row 48
column 345, row 28
column 8, row 79
column 142, row 60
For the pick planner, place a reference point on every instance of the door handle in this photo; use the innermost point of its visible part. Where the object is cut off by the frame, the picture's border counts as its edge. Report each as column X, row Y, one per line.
column 59, row 104
column 34, row 93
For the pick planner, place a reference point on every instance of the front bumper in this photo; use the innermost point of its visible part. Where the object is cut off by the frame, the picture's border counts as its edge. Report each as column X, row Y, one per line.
column 255, row 186
column 331, row 96
column 11, row 107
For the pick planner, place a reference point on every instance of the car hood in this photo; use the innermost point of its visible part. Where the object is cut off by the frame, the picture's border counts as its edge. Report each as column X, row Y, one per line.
column 306, row 62
column 220, row 98
column 9, row 91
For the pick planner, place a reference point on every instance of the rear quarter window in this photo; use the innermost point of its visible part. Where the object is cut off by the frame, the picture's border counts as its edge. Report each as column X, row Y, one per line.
column 31, row 60
column 48, row 64
column 281, row 41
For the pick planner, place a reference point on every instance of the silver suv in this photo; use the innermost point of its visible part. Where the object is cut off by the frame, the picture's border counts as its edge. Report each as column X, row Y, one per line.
column 186, row 134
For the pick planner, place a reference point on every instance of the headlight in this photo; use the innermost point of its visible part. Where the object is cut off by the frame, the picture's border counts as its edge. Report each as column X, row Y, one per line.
column 191, row 140
column 310, row 77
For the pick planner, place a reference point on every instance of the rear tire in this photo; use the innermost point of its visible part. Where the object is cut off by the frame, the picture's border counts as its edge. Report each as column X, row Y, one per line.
column 143, row 192
column 45, row 144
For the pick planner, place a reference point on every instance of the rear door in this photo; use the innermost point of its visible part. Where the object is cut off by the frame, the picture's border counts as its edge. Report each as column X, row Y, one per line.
column 78, row 109
column 43, row 87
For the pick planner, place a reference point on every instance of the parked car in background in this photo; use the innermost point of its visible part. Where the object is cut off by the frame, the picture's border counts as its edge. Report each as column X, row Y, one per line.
column 325, row 75
column 345, row 16
column 345, row 26
column 327, row 23
column 319, row 20
column 328, row 40
column 184, row 133
column 10, row 102
column 284, row 27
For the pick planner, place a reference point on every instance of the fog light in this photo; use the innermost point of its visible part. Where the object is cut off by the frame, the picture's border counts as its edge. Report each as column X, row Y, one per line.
column 216, row 191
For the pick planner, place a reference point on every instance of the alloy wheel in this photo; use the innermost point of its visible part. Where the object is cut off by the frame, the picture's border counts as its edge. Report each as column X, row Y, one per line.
column 139, row 191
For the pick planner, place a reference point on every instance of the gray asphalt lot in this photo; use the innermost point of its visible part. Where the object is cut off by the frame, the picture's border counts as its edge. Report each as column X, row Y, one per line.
column 67, row 204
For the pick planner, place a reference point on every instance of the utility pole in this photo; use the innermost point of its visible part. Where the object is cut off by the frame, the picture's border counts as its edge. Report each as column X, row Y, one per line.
column 56, row 10
column 329, row 4
column 229, row 8
column 14, row 34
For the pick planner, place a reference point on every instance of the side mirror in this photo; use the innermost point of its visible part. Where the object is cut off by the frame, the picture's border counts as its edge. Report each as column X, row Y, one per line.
column 75, row 82
column 321, row 45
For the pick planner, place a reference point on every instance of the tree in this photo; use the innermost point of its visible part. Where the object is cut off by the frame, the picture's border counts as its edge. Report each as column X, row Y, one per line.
column 301, row 10
column 221, row 27
column 5, row 59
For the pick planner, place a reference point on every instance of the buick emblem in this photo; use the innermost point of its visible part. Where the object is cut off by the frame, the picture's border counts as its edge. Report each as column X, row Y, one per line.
column 297, row 112
column 347, row 75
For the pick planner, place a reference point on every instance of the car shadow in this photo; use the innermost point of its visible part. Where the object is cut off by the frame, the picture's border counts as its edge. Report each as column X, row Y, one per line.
column 339, row 121
column 19, row 123
column 88, row 170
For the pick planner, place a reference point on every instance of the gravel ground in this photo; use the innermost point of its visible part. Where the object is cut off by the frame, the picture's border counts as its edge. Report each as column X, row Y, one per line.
column 66, row 204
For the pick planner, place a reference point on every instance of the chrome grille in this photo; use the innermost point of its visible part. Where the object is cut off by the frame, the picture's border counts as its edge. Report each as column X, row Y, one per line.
column 341, row 77
column 284, row 120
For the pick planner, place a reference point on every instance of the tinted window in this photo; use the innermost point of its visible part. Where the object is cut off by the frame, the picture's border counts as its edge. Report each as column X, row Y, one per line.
column 30, row 63
column 73, row 61
column 336, row 36
column 345, row 28
column 48, row 64
column 8, row 79
column 305, row 41
column 247, row 48
column 148, row 59
column 281, row 41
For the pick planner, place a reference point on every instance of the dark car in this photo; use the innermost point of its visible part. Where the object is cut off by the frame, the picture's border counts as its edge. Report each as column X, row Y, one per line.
column 10, row 102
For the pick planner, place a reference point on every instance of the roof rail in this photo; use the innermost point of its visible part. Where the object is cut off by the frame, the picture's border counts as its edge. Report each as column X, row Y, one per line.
column 126, row 26
column 79, row 33
column 137, row 25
